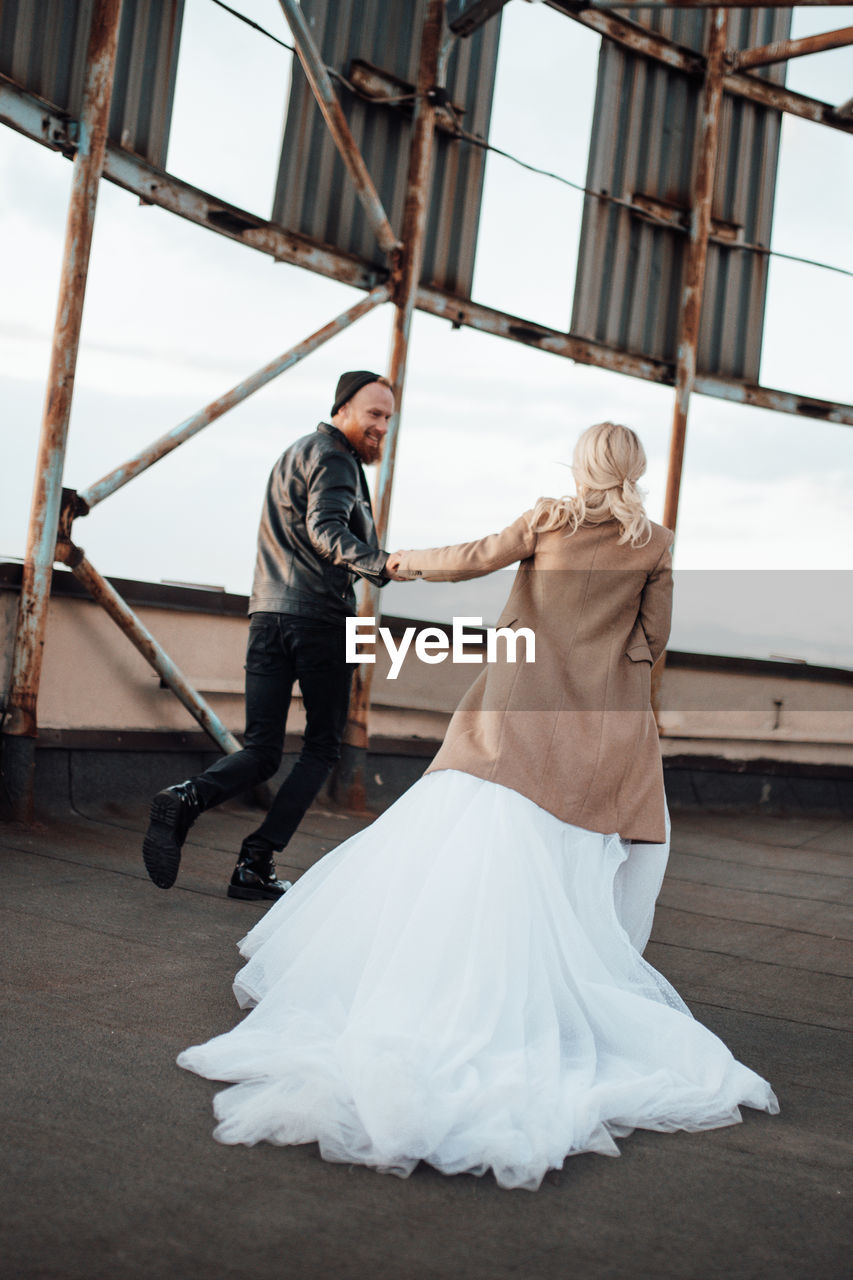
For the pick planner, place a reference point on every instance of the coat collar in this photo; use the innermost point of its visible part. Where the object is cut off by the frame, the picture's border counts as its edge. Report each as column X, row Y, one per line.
column 329, row 430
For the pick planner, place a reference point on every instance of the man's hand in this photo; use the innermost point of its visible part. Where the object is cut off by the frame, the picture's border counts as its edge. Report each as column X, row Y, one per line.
column 392, row 565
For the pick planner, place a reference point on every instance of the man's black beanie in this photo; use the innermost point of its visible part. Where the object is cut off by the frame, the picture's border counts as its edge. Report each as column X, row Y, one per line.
column 349, row 383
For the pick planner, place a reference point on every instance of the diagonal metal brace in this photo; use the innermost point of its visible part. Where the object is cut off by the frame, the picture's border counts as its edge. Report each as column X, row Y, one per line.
column 105, row 594
column 783, row 50
column 327, row 101
column 88, row 498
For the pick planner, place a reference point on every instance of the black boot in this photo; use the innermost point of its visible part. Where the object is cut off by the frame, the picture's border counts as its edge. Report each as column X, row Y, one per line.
column 254, row 875
column 173, row 812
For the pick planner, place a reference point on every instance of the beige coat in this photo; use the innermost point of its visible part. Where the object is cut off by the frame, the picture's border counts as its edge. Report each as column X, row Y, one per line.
column 574, row 730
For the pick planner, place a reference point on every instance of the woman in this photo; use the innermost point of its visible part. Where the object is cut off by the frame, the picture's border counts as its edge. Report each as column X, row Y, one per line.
column 462, row 981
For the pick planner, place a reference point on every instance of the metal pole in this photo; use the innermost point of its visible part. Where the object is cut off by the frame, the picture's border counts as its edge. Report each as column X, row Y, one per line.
column 406, row 277
column 694, row 279
column 327, row 101
column 782, row 50
column 96, row 493
column 106, row 595
column 696, row 257
column 21, row 724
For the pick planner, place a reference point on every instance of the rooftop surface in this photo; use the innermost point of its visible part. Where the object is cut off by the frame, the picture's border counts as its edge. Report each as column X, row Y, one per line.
column 111, row 1171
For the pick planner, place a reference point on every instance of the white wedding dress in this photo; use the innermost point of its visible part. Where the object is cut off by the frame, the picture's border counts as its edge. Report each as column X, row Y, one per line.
column 461, row 983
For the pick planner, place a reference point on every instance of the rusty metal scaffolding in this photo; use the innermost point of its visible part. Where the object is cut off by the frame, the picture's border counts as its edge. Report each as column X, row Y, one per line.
column 54, row 509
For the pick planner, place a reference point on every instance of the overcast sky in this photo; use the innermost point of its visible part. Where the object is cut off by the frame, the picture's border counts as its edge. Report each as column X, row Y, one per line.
column 175, row 315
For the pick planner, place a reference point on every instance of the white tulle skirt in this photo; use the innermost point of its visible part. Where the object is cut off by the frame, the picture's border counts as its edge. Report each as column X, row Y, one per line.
column 461, row 983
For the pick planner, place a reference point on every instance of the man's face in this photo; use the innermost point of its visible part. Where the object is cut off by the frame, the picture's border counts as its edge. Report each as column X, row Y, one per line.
column 364, row 420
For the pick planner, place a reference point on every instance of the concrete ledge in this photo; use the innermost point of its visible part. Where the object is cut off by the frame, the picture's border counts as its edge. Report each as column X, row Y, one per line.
column 77, row 767
column 769, row 786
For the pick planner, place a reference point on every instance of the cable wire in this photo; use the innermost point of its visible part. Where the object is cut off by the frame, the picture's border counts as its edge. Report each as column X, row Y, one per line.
column 647, row 216
column 256, row 26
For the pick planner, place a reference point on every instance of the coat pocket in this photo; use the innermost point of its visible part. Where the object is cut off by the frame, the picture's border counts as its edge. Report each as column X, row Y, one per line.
column 639, row 652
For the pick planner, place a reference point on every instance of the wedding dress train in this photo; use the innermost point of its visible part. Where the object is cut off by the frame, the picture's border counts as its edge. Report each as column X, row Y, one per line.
column 462, row 983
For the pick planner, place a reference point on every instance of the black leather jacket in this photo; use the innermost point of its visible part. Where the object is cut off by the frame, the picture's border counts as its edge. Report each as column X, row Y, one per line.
column 317, row 532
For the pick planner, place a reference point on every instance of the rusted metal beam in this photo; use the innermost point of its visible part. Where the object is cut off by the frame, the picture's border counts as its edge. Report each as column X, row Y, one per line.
column 327, row 101
column 88, row 498
column 693, row 280
column 462, row 313
column 407, row 273
column 47, row 492
column 768, row 94
column 433, row 53
column 631, row 35
column 473, row 315
column 43, row 123
column 156, row 187
column 696, row 256
column 105, row 594
column 27, row 113
column 757, row 397
column 474, row 15
column 765, row 55
column 639, row 39
column 845, row 111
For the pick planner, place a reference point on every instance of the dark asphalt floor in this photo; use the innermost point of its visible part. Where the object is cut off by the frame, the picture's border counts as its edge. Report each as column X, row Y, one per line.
column 110, row 1171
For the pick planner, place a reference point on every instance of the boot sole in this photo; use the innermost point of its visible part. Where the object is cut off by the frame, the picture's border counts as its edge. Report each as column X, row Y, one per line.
column 161, row 852
column 252, row 895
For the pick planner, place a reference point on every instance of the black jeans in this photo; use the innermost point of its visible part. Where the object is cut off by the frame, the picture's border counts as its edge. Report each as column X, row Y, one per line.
column 284, row 648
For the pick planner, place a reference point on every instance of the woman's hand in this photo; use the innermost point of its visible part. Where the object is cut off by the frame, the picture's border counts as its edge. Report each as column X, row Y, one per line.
column 392, row 566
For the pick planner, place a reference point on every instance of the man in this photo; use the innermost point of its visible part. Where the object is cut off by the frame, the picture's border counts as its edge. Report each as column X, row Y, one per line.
column 316, row 535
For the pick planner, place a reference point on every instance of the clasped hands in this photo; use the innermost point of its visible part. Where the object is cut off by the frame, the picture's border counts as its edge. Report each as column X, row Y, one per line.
column 392, row 566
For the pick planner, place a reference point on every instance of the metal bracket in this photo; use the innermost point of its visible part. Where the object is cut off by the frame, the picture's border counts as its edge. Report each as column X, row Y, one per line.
column 387, row 90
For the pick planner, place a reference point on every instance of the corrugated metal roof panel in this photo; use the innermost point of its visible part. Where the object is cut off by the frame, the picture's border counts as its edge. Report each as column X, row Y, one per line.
column 314, row 196
column 43, row 48
column 645, row 126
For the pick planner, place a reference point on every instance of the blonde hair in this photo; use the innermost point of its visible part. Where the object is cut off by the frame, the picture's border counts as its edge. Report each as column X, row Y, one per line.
column 607, row 463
